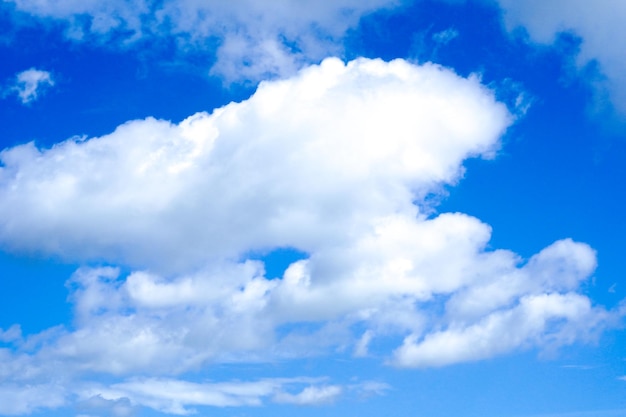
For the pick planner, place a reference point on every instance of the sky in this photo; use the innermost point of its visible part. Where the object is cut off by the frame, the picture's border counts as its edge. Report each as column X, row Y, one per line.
column 357, row 207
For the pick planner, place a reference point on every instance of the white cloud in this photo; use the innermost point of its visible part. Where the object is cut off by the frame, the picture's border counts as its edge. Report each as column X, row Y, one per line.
column 599, row 24
column 255, row 39
column 368, row 389
column 176, row 396
column 90, row 16
column 559, row 267
column 99, row 406
column 335, row 162
column 445, row 36
column 361, row 348
column 310, row 395
column 544, row 320
column 29, row 84
column 16, row 399
column 330, row 155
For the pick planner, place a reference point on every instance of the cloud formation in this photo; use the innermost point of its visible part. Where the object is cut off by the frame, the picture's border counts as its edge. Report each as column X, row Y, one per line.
column 253, row 40
column 176, row 397
column 598, row 24
column 173, row 396
column 326, row 156
column 29, row 84
column 336, row 162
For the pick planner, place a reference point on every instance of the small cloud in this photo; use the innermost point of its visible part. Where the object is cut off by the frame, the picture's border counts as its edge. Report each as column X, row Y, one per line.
column 29, row 84
column 99, row 406
column 445, row 36
column 361, row 348
column 173, row 396
column 312, row 395
column 368, row 389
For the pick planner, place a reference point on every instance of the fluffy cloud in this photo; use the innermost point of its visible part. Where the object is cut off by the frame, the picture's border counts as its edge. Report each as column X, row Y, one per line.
column 597, row 23
column 29, row 84
column 536, row 320
column 255, row 40
column 328, row 156
column 336, row 162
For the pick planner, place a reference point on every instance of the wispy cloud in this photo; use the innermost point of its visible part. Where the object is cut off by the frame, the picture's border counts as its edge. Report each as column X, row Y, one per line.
column 175, row 396
column 98, row 406
column 445, row 36
column 30, row 84
column 310, row 395
column 255, row 40
column 596, row 24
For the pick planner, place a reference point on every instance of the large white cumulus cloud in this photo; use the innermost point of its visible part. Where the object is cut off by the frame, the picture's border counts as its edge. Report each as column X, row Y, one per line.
column 336, row 162
column 599, row 24
column 318, row 158
column 255, row 39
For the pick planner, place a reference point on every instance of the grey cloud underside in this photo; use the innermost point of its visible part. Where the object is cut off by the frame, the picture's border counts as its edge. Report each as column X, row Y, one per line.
column 335, row 162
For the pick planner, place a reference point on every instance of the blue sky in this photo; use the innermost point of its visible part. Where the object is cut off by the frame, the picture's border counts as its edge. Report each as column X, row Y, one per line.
column 312, row 208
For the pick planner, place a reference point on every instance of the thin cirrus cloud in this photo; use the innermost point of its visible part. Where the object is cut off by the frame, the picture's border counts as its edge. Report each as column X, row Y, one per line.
column 30, row 84
column 253, row 41
column 336, row 162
